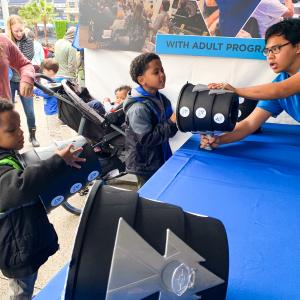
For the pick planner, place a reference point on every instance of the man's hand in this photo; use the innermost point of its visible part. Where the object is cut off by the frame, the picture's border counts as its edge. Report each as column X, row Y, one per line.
column 208, row 141
column 26, row 89
column 70, row 155
column 221, row 86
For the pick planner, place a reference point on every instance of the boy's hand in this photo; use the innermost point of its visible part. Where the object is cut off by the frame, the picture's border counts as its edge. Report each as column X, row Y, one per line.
column 70, row 155
column 221, row 86
column 209, row 141
column 26, row 89
column 173, row 117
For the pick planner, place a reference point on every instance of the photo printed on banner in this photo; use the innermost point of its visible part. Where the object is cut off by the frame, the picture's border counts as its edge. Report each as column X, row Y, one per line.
column 227, row 17
column 267, row 13
column 138, row 25
column 134, row 25
column 244, row 19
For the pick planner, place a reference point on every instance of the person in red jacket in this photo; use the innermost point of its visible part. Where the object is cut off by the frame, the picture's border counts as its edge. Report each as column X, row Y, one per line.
column 10, row 56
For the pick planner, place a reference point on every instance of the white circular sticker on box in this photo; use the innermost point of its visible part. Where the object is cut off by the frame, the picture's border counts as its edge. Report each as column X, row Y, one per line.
column 241, row 100
column 200, row 112
column 240, row 113
column 93, row 175
column 184, row 111
column 219, row 118
column 57, row 200
column 75, row 187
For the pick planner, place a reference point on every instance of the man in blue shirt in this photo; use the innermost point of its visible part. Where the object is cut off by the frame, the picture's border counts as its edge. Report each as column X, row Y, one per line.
column 283, row 55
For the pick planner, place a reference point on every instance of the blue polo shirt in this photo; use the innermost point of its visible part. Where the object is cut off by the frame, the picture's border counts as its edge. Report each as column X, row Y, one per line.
column 290, row 104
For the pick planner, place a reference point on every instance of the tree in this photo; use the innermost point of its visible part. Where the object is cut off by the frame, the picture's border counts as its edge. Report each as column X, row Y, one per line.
column 47, row 15
column 38, row 11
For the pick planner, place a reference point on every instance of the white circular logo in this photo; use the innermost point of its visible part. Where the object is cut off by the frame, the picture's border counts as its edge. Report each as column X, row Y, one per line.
column 75, row 187
column 184, row 111
column 241, row 100
column 240, row 113
column 93, row 175
column 219, row 118
column 200, row 112
column 57, row 200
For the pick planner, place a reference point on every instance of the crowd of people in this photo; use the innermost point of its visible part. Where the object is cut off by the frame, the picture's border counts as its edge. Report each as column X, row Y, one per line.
column 149, row 121
column 24, row 39
column 123, row 24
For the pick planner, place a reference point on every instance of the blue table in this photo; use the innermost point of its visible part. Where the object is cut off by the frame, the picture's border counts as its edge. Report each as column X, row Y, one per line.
column 55, row 287
column 252, row 186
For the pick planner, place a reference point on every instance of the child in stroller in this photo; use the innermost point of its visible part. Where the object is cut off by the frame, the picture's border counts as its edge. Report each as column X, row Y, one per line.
column 104, row 131
column 120, row 96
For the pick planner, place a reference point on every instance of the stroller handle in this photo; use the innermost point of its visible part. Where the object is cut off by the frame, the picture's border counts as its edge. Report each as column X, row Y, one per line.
column 47, row 90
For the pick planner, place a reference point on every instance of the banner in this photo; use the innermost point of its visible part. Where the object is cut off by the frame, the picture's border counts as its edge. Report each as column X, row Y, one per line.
column 186, row 27
column 210, row 46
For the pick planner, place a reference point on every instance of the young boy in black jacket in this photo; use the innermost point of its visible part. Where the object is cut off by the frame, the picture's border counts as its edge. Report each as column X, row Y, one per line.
column 27, row 238
column 150, row 121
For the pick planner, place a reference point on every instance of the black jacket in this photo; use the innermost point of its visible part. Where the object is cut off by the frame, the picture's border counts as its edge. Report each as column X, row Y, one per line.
column 27, row 238
column 148, row 130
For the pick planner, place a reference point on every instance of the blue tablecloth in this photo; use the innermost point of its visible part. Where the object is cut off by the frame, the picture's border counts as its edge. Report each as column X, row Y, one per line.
column 252, row 186
column 55, row 288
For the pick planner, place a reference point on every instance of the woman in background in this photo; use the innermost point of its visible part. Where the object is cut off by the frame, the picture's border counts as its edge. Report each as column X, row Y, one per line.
column 16, row 33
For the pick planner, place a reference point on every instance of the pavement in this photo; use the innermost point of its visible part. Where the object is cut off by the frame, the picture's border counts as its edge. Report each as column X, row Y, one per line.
column 64, row 222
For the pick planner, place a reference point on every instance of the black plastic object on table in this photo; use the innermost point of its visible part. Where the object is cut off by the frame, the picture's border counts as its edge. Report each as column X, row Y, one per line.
column 201, row 109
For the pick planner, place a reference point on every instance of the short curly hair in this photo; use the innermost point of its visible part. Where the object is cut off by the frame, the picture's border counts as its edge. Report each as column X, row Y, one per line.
column 5, row 105
column 140, row 64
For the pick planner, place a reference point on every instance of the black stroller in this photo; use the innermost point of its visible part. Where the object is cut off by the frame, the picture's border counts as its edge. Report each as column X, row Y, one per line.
column 102, row 131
